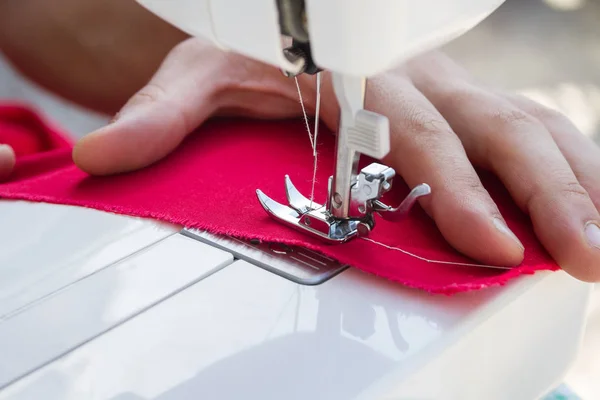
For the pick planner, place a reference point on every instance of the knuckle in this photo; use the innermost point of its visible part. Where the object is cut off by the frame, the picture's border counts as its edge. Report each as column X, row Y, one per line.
column 427, row 124
column 538, row 110
column 509, row 130
column 549, row 116
column 565, row 190
column 456, row 92
column 573, row 189
column 510, row 118
column 460, row 180
column 151, row 92
column 470, row 186
column 464, row 193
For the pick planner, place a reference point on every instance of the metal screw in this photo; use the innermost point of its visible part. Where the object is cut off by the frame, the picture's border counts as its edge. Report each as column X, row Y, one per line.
column 307, row 221
column 337, row 200
column 363, row 229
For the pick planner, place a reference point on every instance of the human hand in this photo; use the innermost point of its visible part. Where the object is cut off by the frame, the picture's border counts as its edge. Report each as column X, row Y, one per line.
column 443, row 123
column 7, row 161
column 95, row 53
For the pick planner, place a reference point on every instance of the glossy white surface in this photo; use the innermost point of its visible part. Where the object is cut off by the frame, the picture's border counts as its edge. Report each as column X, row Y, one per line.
column 191, row 16
column 87, row 308
column 519, row 348
column 244, row 330
column 244, row 333
column 45, row 247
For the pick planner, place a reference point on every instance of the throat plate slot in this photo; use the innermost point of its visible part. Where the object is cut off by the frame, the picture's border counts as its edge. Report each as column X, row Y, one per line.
column 296, row 264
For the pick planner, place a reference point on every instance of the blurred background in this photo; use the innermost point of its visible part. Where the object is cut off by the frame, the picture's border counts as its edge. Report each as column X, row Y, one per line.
column 548, row 50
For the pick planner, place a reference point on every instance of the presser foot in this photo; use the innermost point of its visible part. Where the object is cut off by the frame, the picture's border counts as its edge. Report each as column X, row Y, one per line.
column 317, row 220
column 312, row 218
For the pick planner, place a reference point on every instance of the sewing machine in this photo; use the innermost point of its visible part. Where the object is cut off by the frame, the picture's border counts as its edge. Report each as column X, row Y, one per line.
column 102, row 306
column 352, row 40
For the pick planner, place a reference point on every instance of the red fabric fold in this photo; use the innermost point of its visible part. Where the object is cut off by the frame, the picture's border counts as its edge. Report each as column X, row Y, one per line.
column 28, row 132
column 209, row 183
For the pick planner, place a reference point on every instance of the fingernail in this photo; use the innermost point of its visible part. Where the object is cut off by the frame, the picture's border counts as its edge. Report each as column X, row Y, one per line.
column 4, row 148
column 592, row 232
column 502, row 227
column 7, row 161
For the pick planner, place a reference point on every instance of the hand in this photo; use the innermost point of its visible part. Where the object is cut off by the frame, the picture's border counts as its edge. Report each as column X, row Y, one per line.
column 95, row 53
column 7, row 161
column 443, row 124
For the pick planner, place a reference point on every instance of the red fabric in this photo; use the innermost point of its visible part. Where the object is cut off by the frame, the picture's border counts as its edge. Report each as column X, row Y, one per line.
column 28, row 133
column 209, row 182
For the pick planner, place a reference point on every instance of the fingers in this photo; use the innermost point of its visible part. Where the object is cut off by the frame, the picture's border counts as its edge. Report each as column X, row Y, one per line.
column 7, row 161
column 580, row 151
column 518, row 148
column 158, row 117
column 425, row 149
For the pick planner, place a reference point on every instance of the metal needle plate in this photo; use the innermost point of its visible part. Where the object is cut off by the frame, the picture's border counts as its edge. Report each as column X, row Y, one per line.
column 296, row 264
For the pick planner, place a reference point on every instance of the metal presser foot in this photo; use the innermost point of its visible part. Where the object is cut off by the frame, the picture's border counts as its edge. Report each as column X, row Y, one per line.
column 318, row 219
column 353, row 197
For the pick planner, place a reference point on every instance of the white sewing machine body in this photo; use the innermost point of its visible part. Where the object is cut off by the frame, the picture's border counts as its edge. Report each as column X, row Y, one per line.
column 350, row 37
column 99, row 306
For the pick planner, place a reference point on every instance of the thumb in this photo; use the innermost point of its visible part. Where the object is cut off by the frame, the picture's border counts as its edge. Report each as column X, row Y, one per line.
column 157, row 118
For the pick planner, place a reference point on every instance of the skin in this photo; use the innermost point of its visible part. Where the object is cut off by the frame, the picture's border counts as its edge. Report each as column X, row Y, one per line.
column 444, row 123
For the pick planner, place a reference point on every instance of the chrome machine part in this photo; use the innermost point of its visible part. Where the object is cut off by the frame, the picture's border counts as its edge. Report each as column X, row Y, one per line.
column 317, row 220
column 293, row 25
column 292, row 19
column 353, row 197
column 396, row 214
column 296, row 264
column 350, row 93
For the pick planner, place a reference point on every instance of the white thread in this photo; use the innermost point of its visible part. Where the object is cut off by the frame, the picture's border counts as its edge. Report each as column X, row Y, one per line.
column 311, row 137
column 408, row 253
column 317, row 111
column 304, row 112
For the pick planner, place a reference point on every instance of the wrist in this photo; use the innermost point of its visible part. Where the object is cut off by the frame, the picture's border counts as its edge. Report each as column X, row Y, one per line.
column 96, row 53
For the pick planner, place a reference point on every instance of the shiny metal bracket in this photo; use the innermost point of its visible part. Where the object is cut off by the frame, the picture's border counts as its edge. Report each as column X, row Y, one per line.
column 293, row 263
column 317, row 220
